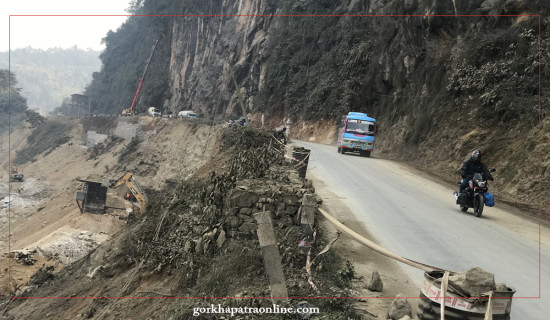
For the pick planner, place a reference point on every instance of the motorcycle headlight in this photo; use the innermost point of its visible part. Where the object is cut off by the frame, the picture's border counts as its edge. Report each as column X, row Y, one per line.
column 481, row 184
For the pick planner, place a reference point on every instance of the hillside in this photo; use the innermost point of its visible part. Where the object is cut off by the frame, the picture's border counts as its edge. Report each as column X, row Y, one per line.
column 440, row 86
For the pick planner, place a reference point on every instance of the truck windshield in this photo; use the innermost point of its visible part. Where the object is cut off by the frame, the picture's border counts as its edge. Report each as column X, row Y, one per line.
column 359, row 127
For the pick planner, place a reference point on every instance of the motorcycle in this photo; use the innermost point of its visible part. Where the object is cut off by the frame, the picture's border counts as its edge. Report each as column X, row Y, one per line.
column 474, row 196
column 282, row 136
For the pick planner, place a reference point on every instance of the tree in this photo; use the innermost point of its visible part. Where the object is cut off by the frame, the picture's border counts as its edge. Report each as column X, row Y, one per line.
column 11, row 101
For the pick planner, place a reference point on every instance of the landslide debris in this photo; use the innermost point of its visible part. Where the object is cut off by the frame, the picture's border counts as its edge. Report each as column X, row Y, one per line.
column 199, row 240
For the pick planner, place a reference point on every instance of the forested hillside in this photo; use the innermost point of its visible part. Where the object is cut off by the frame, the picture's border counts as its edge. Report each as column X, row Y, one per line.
column 46, row 77
column 124, row 59
column 441, row 78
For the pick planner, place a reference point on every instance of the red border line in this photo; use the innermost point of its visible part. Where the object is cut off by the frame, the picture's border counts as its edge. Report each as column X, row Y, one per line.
column 252, row 15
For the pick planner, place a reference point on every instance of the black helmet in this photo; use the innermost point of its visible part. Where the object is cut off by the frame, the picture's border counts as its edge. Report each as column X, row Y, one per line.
column 476, row 155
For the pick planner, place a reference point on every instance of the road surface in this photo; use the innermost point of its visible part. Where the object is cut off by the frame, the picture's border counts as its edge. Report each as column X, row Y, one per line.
column 417, row 218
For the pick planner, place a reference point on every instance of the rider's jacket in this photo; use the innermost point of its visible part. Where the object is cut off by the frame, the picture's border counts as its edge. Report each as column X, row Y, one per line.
column 470, row 167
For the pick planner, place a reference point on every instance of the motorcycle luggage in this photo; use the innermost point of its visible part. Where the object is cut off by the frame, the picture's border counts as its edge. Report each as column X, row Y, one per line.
column 463, row 198
column 489, row 199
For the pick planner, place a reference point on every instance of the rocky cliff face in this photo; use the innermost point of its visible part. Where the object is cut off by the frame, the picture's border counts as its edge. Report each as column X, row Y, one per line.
column 441, row 78
column 216, row 62
column 322, row 66
column 440, row 85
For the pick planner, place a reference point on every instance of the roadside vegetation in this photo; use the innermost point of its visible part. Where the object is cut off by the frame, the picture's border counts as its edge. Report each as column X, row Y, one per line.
column 14, row 105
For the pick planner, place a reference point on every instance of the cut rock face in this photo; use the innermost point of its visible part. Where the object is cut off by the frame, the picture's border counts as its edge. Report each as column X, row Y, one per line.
column 473, row 282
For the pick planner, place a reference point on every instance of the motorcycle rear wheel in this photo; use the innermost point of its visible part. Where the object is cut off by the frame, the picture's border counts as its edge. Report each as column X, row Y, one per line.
column 478, row 205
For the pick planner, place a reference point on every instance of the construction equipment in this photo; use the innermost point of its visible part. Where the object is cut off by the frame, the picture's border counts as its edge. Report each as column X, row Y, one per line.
column 132, row 184
column 15, row 176
column 187, row 114
column 154, row 112
column 131, row 111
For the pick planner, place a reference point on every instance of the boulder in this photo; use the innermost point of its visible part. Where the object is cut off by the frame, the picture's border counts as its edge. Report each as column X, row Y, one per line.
column 233, row 221
column 375, row 282
column 473, row 282
column 221, row 239
column 399, row 308
column 187, row 246
column 501, row 287
column 242, row 198
column 248, row 227
column 199, row 246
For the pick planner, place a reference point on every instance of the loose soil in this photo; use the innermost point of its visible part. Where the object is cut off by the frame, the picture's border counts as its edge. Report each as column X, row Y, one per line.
column 46, row 216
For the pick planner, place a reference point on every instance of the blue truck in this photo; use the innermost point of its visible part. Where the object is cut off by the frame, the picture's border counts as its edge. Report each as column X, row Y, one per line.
column 356, row 133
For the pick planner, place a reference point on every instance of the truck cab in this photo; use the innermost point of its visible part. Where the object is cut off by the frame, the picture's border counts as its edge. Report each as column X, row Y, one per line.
column 153, row 112
column 357, row 133
column 187, row 114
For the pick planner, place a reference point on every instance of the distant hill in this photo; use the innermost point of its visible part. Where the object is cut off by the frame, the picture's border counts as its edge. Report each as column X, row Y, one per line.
column 47, row 76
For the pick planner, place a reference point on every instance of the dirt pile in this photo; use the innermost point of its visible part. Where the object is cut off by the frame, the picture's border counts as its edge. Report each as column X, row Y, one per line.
column 70, row 245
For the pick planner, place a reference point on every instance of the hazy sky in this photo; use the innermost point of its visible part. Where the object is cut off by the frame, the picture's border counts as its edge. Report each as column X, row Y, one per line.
column 64, row 32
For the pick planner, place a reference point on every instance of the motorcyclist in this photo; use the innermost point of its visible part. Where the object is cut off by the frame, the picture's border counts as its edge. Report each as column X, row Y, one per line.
column 282, row 134
column 472, row 166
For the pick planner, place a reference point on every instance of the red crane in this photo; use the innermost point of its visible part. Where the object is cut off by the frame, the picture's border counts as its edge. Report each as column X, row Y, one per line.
column 131, row 110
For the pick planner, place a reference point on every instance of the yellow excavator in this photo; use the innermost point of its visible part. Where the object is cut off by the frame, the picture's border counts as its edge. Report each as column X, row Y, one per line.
column 15, row 176
column 133, row 186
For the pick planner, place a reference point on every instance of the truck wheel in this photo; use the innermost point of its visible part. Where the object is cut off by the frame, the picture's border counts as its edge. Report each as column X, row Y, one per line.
column 339, row 149
column 343, row 150
column 366, row 154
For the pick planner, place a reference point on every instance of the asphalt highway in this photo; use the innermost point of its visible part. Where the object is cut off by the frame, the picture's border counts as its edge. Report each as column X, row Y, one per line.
column 416, row 217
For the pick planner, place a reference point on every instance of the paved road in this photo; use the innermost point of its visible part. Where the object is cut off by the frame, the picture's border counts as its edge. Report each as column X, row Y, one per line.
column 416, row 217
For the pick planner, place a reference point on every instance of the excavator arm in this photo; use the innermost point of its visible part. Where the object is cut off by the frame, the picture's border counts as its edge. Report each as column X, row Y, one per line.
column 134, row 187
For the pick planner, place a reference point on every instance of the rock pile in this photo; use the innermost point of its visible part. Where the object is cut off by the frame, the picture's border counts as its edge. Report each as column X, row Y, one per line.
column 473, row 282
column 209, row 222
column 71, row 247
